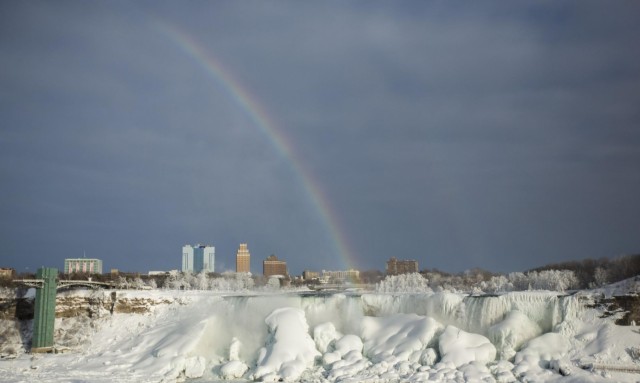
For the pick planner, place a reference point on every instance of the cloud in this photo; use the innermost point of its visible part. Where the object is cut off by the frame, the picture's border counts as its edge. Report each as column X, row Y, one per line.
column 494, row 135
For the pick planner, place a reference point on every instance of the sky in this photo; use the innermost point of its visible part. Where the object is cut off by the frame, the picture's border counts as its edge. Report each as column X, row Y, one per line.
column 502, row 135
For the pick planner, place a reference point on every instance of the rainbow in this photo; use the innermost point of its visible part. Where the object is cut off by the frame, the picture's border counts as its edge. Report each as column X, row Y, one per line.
column 260, row 118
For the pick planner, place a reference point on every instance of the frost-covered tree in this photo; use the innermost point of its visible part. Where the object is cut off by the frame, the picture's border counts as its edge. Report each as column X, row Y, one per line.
column 404, row 283
column 519, row 281
column 122, row 283
column 202, row 281
column 178, row 281
column 600, row 277
column 497, row 284
column 137, row 284
column 554, row 280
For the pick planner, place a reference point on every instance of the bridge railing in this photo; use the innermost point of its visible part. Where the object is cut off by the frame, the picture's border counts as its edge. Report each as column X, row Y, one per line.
column 62, row 283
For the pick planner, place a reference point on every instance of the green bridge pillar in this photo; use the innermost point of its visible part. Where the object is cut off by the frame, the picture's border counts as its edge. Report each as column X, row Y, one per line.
column 45, row 310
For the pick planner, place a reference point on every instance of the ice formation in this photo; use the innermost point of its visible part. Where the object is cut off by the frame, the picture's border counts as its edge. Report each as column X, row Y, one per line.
column 460, row 347
column 378, row 337
column 289, row 350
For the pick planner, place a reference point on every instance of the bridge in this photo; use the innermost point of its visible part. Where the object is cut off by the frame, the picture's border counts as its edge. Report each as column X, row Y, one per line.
column 47, row 284
column 61, row 284
column 340, row 287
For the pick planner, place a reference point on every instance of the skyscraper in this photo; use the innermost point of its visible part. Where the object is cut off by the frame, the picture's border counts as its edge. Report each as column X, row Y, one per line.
column 198, row 258
column 243, row 259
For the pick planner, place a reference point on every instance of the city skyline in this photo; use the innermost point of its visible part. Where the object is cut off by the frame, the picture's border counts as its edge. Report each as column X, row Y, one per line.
column 496, row 135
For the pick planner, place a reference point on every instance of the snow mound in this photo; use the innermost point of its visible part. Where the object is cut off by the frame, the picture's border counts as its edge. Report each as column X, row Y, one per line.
column 398, row 337
column 348, row 343
column 324, row 334
column 289, row 350
column 546, row 347
column 510, row 334
column 460, row 347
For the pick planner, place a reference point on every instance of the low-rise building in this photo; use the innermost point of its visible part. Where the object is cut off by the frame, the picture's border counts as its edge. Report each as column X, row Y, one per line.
column 309, row 275
column 7, row 272
column 83, row 265
column 339, row 276
column 405, row 266
column 274, row 266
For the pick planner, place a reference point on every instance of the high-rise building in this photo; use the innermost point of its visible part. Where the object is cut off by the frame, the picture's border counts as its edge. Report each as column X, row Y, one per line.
column 274, row 266
column 406, row 266
column 82, row 265
column 198, row 258
column 243, row 259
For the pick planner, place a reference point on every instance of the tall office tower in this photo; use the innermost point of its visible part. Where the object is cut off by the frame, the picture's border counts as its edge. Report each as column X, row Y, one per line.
column 243, row 259
column 198, row 258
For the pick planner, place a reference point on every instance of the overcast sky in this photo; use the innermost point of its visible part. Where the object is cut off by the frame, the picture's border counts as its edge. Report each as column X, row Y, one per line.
column 502, row 135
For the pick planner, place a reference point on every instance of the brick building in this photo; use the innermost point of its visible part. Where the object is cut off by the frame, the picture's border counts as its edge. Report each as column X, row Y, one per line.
column 405, row 266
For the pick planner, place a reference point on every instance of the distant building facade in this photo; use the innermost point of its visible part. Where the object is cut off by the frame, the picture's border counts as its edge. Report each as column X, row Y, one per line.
column 243, row 259
column 340, row 275
column 82, row 265
column 405, row 266
column 274, row 266
column 7, row 272
column 309, row 275
column 198, row 258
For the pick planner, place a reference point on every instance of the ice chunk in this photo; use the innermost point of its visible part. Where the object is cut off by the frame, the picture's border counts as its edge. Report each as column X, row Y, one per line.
column 234, row 349
column 233, row 370
column 561, row 366
column 194, row 367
